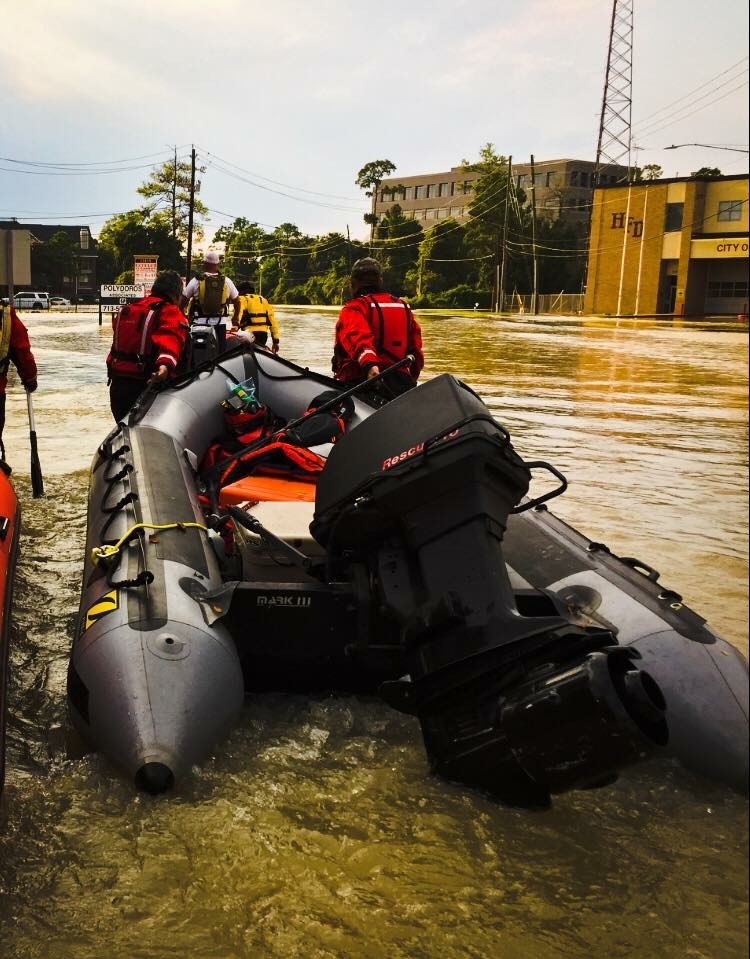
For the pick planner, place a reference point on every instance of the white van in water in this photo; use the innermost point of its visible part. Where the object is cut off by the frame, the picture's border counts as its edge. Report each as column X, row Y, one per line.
column 31, row 301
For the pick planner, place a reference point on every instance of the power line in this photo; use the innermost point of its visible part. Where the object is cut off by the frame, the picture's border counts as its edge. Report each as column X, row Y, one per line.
column 686, row 96
column 124, row 169
column 650, row 129
column 40, row 163
column 289, row 186
column 260, row 186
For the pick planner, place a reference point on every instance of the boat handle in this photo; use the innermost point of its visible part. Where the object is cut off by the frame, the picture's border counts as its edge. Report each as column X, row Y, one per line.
column 648, row 571
column 537, row 500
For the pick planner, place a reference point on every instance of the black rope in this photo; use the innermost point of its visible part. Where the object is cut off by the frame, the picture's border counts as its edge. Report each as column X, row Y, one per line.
column 114, row 510
column 144, row 578
column 130, row 497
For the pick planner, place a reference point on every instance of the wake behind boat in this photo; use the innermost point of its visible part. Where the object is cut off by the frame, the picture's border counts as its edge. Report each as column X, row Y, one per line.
column 255, row 526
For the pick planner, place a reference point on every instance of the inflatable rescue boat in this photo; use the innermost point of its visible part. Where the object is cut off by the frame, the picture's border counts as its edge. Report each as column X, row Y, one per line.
column 10, row 525
column 256, row 526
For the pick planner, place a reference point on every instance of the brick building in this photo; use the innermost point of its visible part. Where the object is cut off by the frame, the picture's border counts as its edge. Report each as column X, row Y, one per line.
column 674, row 247
column 563, row 191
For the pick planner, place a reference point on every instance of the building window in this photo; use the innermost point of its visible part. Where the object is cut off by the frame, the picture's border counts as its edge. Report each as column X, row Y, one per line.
column 442, row 212
column 574, row 177
column 430, row 214
column 584, row 178
column 408, row 192
column 551, row 179
column 432, row 190
column 673, row 217
column 418, row 192
column 727, row 289
column 730, row 210
column 443, row 189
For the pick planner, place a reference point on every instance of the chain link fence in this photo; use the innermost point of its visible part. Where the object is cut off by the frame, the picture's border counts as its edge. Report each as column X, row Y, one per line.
column 568, row 304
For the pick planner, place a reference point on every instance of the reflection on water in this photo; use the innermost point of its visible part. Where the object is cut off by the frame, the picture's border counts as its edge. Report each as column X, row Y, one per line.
column 316, row 830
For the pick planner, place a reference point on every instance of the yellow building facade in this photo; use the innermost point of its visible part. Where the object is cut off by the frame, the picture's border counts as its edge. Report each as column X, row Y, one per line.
column 669, row 247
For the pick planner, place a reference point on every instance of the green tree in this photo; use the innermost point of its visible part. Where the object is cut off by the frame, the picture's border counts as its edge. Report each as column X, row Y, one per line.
column 127, row 234
column 651, row 171
column 493, row 197
column 398, row 251
column 168, row 187
column 53, row 262
column 330, row 265
column 245, row 244
column 293, row 268
column 442, row 258
column 369, row 179
column 707, row 171
column 561, row 256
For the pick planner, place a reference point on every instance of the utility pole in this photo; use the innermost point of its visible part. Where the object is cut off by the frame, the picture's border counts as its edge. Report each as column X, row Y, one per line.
column 501, row 283
column 534, row 304
column 190, row 216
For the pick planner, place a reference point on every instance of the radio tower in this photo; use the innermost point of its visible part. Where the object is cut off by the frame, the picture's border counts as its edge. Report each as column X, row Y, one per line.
column 614, row 144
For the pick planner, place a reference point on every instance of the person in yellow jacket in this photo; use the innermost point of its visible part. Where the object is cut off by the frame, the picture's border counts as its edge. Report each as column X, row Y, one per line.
column 255, row 317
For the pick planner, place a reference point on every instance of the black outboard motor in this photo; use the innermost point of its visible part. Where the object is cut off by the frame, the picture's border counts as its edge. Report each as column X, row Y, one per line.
column 204, row 345
column 512, row 697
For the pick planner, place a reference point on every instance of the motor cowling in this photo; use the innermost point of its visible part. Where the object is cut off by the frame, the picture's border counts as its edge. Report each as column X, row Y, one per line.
column 512, row 697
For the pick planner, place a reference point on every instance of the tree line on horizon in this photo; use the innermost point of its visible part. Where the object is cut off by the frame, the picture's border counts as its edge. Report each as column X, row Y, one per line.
column 450, row 265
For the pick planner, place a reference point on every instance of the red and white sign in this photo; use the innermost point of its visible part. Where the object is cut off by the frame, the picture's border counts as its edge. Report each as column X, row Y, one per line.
column 144, row 270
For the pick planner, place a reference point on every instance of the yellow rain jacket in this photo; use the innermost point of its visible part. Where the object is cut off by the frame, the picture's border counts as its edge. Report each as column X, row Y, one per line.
column 256, row 315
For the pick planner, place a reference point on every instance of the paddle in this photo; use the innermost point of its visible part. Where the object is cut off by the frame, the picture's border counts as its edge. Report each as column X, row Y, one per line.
column 37, row 482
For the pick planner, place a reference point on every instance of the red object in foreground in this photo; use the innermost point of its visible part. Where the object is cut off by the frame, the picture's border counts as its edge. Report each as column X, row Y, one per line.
column 10, row 523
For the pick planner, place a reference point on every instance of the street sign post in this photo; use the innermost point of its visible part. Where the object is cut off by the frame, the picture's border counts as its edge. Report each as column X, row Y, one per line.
column 114, row 295
column 144, row 269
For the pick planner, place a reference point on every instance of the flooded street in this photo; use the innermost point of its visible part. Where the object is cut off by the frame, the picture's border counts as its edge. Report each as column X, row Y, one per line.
column 316, row 829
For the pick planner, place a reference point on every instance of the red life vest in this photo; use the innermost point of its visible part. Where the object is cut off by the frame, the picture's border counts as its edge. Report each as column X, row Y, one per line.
column 392, row 328
column 133, row 353
column 390, row 320
column 277, row 458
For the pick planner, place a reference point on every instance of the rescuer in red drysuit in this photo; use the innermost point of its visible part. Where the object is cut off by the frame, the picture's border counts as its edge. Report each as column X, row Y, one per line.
column 16, row 349
column 149, row 342
column 374, row 331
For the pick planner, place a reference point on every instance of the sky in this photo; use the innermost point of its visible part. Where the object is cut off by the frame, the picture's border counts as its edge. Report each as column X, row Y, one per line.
column 286, row 101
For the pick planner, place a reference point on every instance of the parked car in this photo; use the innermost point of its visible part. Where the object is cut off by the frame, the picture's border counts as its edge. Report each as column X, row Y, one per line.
column 31, row 301
column 58, row 301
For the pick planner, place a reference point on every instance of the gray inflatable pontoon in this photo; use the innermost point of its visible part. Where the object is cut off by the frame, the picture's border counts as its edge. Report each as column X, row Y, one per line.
column 536, row 660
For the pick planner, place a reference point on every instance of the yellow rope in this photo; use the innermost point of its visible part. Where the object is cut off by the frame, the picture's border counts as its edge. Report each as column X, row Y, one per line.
column 105, row 554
